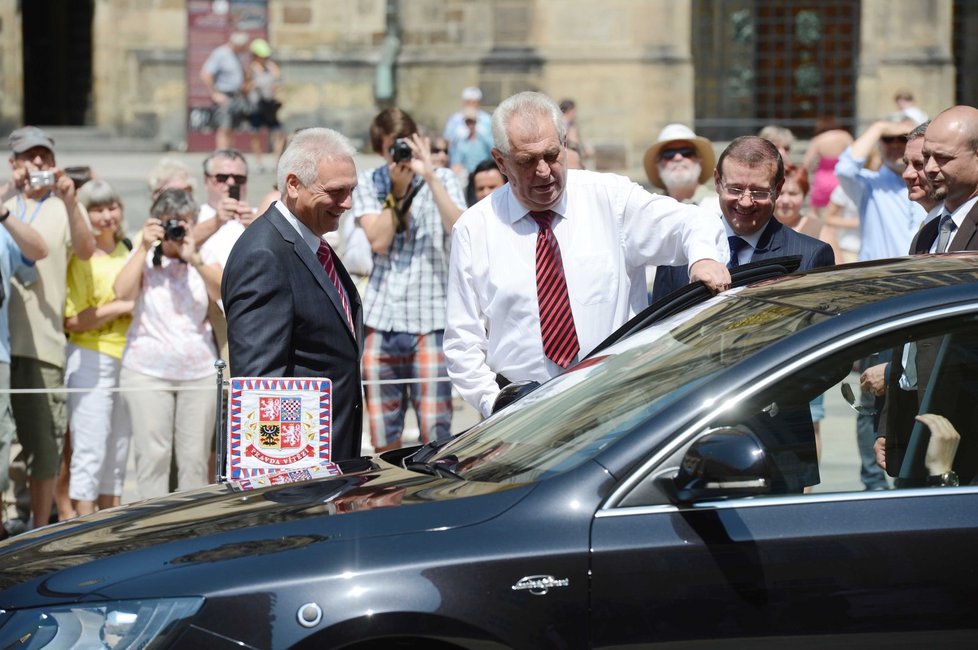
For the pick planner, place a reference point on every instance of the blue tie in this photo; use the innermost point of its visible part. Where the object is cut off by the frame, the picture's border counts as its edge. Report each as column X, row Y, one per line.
column 736, row 245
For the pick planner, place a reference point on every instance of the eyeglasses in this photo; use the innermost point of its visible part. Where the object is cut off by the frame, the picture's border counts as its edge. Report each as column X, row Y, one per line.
column 756, row 196
column 669, row 154
column 239, row 179
column 890, row 139
column 435, row 150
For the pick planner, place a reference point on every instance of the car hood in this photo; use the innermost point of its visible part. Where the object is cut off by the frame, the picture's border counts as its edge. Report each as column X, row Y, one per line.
column 72, row 560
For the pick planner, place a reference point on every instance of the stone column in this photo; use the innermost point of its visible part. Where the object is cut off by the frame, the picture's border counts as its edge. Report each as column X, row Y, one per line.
column 904, row 45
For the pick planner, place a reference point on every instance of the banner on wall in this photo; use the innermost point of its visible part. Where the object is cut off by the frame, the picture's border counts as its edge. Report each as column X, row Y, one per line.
column 209, row 25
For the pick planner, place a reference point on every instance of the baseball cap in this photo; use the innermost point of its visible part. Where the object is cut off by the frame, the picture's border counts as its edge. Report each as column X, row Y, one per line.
column 261, row 48
column 28, row 137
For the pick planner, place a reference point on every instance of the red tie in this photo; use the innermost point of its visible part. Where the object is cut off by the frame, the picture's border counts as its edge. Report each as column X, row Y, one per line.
column 556, row 319
column 325, row 255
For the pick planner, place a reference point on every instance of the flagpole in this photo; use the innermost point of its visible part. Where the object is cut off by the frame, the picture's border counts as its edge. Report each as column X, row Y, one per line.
column 220, row 446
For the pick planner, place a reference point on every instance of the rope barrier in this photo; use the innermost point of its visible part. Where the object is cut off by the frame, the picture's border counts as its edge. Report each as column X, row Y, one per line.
column 179, row 389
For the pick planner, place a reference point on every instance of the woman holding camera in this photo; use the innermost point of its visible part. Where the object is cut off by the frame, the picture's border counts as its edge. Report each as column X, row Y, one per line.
column 170, row 350
column 96, row 322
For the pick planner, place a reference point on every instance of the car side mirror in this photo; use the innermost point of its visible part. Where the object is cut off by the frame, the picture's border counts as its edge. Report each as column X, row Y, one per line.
column 722, row 463
column 512, row 392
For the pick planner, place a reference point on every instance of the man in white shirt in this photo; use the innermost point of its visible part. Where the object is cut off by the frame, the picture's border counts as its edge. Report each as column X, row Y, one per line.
column 220, row 222
column 607, row 229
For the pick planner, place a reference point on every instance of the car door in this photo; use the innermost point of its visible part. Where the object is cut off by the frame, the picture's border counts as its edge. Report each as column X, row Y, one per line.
column 833, row 565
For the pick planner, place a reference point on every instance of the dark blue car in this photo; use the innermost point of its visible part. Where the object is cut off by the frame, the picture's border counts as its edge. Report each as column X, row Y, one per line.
column 670, row 491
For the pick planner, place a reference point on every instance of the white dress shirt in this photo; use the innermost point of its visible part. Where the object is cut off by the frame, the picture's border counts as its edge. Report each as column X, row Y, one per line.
column 608, row 229
column 217, row 248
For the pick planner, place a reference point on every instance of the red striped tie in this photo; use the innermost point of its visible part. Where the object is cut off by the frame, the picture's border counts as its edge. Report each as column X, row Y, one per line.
column 325, row 255
column 556, row 319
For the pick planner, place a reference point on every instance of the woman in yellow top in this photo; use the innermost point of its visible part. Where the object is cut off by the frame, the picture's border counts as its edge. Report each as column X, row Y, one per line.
column 97, row 323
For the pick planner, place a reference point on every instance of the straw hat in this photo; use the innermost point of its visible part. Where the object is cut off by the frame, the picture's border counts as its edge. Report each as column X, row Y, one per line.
column 679, row 132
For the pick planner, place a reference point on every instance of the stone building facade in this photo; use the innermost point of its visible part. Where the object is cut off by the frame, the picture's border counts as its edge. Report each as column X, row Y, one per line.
column 631, row 65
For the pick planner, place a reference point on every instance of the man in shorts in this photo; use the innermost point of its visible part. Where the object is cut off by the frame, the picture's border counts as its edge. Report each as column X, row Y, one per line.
column 45, row 200
column 224, row 77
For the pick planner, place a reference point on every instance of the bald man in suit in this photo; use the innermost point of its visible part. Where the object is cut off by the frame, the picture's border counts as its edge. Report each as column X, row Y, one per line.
column 951, row 167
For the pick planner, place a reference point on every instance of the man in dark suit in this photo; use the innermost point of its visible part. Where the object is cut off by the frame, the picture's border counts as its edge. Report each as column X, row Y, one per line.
column 748, row 178
column 950, row 154
column 292, row 309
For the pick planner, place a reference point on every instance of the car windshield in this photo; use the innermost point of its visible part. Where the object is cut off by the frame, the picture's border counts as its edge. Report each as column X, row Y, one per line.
column 568, row 419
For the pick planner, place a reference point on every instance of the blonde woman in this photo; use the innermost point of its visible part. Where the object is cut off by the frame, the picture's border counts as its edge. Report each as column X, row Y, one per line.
column 96, row 322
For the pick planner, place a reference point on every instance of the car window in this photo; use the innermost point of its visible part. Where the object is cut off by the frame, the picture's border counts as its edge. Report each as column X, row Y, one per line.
column 576, row 415
column 809, row 430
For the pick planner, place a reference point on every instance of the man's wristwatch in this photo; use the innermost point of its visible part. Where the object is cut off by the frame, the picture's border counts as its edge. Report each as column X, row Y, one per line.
column 947, row 479
column 4, row 214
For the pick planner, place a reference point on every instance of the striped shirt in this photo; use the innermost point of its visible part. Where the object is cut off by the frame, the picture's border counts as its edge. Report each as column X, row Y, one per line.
column 406, row 290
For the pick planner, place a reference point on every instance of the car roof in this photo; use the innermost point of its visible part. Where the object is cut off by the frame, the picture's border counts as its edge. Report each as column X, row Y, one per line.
column 835, row 290
column 832, row 289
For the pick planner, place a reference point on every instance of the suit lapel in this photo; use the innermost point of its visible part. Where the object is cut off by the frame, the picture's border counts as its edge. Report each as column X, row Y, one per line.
column 318, row 272
column 925, row 238
column 770, row 241
column 964, row 238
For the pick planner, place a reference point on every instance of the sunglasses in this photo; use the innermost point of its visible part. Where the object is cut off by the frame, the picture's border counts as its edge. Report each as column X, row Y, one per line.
column 669, row 154
column 239, row 179
column 437, row 150
column 890, row 139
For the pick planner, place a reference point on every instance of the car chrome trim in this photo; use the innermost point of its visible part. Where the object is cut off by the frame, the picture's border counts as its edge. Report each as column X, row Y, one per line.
column 732, row 398
column 786, row 500
column 539, row 585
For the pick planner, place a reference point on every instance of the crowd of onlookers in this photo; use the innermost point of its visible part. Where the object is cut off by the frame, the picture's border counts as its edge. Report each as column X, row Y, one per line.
column 133, row 327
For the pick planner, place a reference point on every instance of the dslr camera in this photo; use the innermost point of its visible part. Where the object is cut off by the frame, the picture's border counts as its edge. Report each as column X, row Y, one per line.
column 173, row 230
column 41, row 178
column 400, row 151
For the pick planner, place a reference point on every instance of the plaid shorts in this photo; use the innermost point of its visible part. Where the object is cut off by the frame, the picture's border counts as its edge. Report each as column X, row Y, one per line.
column 400, row 355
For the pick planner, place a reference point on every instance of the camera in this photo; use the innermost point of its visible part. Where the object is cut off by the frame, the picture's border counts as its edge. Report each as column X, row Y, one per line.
column 41, row 178
column 173, row 230
column 400, row 151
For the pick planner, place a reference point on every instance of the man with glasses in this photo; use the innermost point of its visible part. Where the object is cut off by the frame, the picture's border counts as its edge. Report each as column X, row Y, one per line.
column 748, row 178
column 555, row 261
column 221, row 221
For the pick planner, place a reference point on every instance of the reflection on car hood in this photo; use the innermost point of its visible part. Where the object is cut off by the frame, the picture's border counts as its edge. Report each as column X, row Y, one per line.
column 214, row 523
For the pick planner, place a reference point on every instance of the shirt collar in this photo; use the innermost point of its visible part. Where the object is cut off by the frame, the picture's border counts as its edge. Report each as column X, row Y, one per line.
column 309, row 237
column 934, row 213
column 750, row 239
column 958, row 215
column 516, row 211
